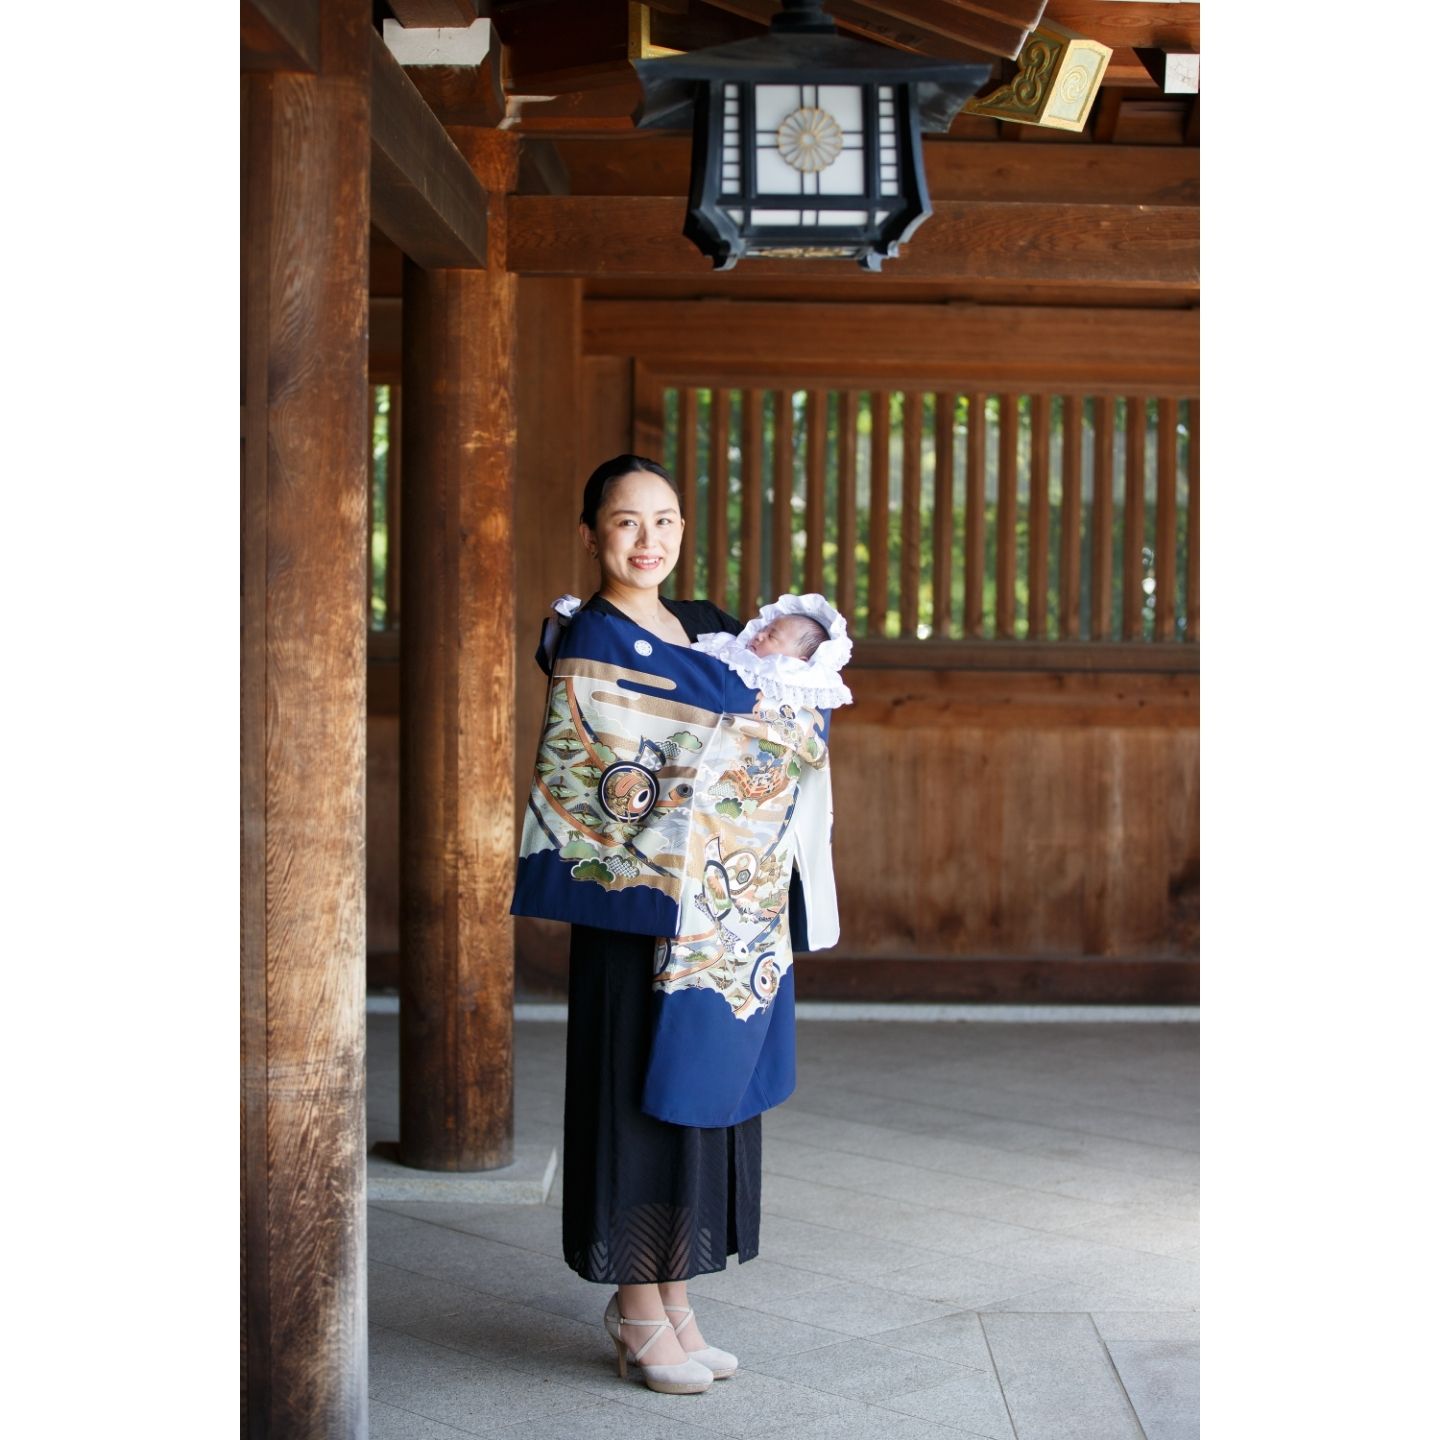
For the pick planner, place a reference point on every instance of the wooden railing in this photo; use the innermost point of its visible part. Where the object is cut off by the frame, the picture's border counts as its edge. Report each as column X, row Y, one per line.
column 942, row 515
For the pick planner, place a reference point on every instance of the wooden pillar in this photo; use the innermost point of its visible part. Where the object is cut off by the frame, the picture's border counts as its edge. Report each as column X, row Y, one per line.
column 304, row 592
column 457, row 722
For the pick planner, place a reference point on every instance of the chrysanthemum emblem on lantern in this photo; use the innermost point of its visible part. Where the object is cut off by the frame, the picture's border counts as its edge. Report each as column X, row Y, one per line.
column 809, row 139
column 806, row 142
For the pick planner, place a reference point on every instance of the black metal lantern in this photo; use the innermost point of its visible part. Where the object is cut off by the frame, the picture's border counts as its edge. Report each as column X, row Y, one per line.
column 807, row 143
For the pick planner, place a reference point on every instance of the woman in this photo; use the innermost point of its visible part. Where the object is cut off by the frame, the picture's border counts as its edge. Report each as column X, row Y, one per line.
column 647, row 1204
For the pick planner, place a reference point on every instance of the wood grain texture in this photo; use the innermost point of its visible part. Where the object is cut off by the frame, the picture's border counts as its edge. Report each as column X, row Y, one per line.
column 1072, row 501
column 878, row 593
column 280, row 35
column 1037, row 617
column 752, row 499
column 816, row 405
column 1006, row 509
column 1192, row 558
column 688, row 466
column 551, row 466
column 972, row 240
column 1132, row 24
column 846, row 498
column 1165, row 538
column 607, row 404
column 304, row 592
column 552, row 462
column 395, row 481
column 434, row 14
column 1102, row 520
column 647, row 433
column 651, row 163
column 781, row 539
column 947, row 979
column 944, row 523
column 458, row 759
column 941, row 345
column 1070, row 822
column 1133, row 597
column 912, row 433
column 975, row 517
column 423, row 195
column 718, row 561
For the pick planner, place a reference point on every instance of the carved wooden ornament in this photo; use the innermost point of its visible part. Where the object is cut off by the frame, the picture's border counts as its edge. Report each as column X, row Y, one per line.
column 1057, row 82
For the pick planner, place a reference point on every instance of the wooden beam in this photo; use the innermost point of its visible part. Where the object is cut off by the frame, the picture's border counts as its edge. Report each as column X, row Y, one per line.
column 1131, row 24
column 857, row 17
column 434, row 14
column 650, row 163
column 465, row 94
column 997, row 29
column 280, row 35
column 422, row 193
column 997, row 346
column 1130, row 245
column 549, row 53
column 457, row 753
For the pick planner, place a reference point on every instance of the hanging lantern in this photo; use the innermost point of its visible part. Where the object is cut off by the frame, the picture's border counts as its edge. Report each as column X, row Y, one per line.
column 806, row 142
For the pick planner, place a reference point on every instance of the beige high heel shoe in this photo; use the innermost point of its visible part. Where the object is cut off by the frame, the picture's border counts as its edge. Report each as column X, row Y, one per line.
column 720, row 1363
column 690, row 1378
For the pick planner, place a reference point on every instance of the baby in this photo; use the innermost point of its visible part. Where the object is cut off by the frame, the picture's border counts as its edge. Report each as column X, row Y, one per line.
column 792, row 652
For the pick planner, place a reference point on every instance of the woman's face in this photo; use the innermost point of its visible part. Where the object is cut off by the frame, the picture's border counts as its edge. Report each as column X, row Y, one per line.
column 637, row 532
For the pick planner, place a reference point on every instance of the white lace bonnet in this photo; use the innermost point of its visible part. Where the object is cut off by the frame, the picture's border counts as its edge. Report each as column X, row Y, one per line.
column 814, row 682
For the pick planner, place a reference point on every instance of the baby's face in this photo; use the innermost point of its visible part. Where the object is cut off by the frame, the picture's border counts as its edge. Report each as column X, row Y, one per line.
column 779, row 637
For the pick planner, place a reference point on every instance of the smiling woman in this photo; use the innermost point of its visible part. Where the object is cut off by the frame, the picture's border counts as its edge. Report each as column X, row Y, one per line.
column 647, row 1203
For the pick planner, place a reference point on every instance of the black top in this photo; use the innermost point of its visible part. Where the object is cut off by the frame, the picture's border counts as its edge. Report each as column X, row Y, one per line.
column 699, row 617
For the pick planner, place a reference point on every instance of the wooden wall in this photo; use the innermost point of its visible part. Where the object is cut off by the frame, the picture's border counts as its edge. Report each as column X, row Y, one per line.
column 1011, row 824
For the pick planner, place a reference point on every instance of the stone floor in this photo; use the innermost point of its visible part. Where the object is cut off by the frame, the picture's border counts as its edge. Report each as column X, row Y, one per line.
column 969, row 1230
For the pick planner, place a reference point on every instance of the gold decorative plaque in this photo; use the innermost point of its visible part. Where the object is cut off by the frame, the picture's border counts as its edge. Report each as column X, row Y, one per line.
column 1057, row 82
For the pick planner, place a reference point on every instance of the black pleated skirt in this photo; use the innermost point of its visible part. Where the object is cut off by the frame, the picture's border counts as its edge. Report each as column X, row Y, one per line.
column 644, row 1200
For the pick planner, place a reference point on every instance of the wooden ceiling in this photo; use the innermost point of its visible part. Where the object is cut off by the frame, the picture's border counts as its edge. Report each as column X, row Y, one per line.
column 563, row 66
column 1108, row 215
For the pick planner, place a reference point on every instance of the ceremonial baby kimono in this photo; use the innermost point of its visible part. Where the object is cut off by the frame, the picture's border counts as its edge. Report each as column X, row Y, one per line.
column 671, row 800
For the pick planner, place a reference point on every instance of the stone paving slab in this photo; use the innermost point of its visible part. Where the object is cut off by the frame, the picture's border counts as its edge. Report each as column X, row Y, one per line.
column 1058, row 1381
column 863, row 1370
column 456, row 1388
column 981, row 1232
column 1162, row 1379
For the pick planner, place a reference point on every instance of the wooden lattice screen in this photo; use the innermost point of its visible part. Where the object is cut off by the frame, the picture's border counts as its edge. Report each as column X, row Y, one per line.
column 944, row 531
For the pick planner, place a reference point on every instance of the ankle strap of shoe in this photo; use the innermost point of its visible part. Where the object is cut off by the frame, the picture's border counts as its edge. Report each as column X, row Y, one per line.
column 662, row 1325
column 688, row 1311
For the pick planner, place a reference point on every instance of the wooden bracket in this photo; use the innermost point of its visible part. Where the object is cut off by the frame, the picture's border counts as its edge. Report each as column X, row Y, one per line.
column 1057, row 82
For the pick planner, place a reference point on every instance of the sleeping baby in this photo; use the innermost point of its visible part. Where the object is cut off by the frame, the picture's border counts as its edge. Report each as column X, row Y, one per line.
column 792, row 652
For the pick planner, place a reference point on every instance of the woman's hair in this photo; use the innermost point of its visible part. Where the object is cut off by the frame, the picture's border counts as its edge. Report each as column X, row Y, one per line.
column 607, row 474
